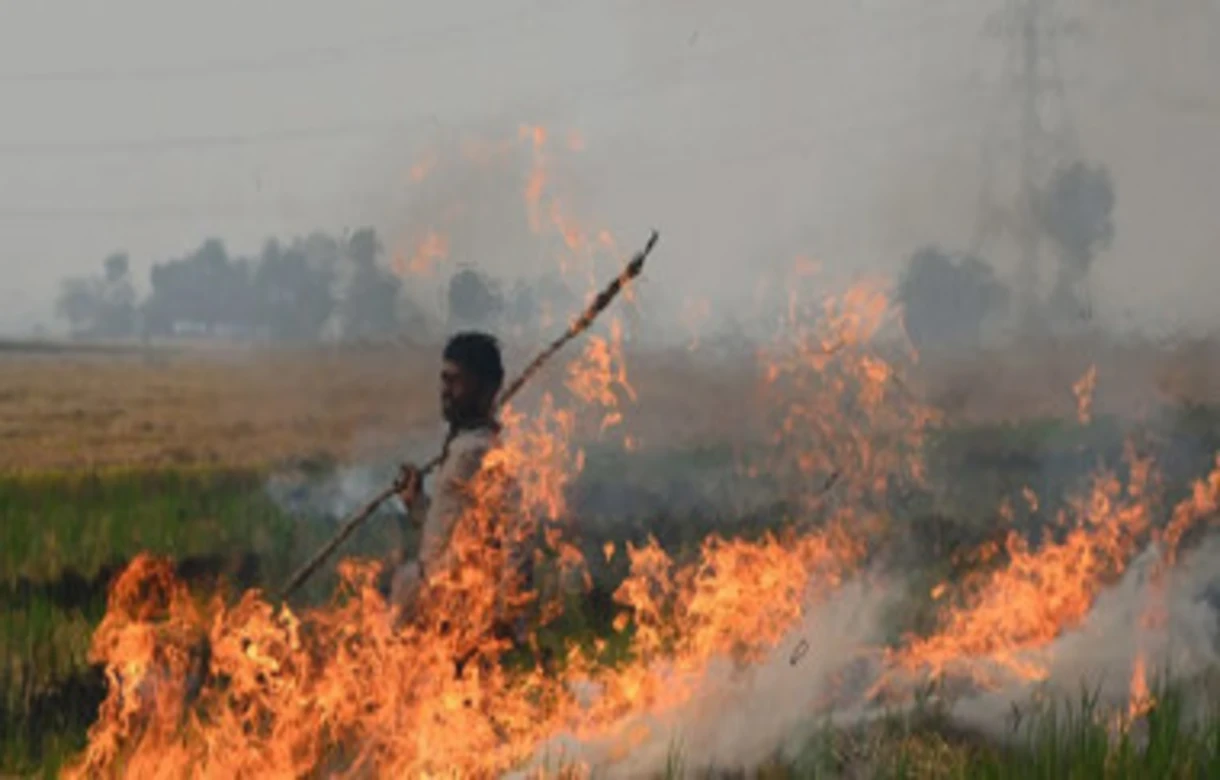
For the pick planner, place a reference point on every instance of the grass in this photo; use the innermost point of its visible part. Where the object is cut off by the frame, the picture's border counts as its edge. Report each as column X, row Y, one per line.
column 55, row 561
column 251, row 408
column 1062, row 738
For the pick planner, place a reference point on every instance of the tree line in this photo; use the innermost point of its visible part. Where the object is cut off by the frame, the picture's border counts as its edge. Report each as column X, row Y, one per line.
column 320, row 287
column 312, row 288
column 948, row 297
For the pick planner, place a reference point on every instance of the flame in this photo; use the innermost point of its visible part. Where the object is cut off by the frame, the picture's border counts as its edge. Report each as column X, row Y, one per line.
column 695, row 313
column 600, row 376
column 1083, row 390
column 537, row 178
column 422, row 169
column 339, row 687
column 572, row 242
column 432, row 249
column 839, row 408
column 1141, row 698
column 340, row 690
column 1005, row 617
column 1031, row 499
column 1203, row 501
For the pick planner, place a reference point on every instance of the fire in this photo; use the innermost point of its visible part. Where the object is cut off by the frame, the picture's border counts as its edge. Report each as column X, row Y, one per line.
column 1203, row 502
column 601, row 376
column 1141, row 698
column 839, row 411
column 1083, row 390
column 695, row 314
column 422, row 169
column 432, row 248
column 339, row 689
column 1005, row 617
column 537, row 178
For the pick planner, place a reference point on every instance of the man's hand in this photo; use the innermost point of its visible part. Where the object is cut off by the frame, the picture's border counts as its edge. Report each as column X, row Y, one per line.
column 408, row 484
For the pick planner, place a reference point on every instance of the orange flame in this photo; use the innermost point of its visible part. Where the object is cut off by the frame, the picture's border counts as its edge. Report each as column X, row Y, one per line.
column 1083, row 390
column 432, row 249
column 339, row 690
column 695, row 313
column 1005, row 617
column 1141, row 698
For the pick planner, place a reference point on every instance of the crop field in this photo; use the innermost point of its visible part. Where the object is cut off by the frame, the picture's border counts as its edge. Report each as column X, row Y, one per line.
column 1006, row 560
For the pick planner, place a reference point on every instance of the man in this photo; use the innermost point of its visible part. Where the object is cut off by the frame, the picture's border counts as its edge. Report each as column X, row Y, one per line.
column 471, row 376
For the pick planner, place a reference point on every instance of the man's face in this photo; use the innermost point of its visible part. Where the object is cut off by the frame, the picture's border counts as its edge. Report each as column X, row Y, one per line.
column 461, row 394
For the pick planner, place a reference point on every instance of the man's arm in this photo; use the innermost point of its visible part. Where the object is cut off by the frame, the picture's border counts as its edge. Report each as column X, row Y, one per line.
column 414, row 513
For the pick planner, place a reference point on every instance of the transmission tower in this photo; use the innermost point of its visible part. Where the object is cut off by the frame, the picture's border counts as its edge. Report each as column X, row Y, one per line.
column 1029, row 132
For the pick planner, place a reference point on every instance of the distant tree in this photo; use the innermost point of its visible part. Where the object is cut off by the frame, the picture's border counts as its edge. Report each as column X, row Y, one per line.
column 370, row 302
column 522, row 310
column 78, row 302
column 117, row 314
column 556, row 300
column 1076, row 211
column 116, row 268
column 474, row 300
column 947, row 299
column 292, row 290
column 364, row 247
column 543, row 302
column 102, row 306
column 206, row 289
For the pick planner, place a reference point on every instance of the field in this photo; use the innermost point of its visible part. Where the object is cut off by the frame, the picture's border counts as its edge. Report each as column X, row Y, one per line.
column 232, row 464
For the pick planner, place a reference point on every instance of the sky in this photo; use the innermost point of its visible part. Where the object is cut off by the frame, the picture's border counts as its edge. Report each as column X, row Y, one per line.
column 747, row 133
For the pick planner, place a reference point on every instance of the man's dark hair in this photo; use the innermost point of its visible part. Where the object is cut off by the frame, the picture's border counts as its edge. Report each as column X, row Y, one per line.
column 479, row 354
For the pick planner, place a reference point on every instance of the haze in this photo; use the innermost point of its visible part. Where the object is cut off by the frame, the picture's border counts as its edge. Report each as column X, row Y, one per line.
column 850, row 132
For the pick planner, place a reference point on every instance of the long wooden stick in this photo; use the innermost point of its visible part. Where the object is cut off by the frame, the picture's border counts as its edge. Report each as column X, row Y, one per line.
column 578, row 326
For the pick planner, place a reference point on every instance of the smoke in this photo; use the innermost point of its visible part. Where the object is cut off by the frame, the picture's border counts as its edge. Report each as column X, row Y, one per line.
column 326, row 492
column 1171, row 625
column 739, row 716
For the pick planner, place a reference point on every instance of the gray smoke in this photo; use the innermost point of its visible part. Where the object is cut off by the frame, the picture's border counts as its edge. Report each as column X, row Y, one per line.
column 1102, row 652
column 738, row 717
column 329, row 493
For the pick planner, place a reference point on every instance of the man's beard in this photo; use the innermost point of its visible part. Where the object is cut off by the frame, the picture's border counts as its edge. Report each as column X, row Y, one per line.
column 461, row 416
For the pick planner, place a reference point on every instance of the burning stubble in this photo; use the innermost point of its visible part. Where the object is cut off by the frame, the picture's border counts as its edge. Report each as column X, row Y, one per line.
column 712, row 635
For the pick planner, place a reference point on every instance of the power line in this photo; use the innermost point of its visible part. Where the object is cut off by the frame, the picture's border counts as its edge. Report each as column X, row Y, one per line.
column 292, row 59
column 223, row 140
column 164, row 212
column 650, row 77
column 660, row 167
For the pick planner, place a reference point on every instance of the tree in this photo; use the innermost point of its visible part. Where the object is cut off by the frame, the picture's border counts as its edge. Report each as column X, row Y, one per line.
column 474, row 300
column 117, row 314
column 522, row 310
column 292, row 291
column 205, row 289
column 370, row 303
column 78, row 302
column 116, row 267
column 102, row 306
column 1076, row 211
column 947, row 299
